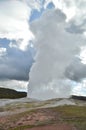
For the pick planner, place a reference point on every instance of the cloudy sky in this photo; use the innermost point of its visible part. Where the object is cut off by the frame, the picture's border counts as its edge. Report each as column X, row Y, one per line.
column 43, row 47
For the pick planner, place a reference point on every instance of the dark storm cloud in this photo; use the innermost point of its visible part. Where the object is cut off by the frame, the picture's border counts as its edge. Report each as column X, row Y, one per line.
column 76, row 71
column 16, row 64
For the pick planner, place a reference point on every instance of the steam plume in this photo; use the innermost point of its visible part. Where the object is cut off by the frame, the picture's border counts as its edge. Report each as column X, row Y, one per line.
column 56, row 50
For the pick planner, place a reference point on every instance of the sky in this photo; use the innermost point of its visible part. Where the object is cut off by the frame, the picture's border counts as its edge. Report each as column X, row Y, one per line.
column 43, row 47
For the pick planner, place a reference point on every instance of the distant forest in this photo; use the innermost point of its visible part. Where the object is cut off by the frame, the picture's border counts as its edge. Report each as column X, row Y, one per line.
column 11, row 94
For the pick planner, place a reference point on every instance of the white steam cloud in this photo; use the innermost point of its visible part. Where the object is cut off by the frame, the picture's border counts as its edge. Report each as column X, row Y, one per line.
column 56, row 50
column 74, row 10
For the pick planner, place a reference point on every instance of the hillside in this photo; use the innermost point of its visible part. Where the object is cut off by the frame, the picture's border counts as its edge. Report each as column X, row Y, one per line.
column 11, row 94
column 79, row 97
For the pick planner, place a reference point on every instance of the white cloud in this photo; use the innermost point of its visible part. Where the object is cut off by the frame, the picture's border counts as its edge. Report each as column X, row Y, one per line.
column 74, row 10
column 3, row 52
column 14, row 16
column 80, row 88
column 83, row 54
column 14, row 84
column 34, row 4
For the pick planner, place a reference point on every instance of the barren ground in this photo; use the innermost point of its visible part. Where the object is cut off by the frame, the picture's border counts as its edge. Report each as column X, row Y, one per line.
column 43, row 115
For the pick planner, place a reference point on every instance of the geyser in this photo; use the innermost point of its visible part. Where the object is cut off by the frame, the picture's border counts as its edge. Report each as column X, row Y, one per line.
column 56, row 50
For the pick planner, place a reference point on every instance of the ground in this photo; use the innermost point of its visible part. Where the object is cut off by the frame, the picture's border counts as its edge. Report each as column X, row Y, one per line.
column 43, row 115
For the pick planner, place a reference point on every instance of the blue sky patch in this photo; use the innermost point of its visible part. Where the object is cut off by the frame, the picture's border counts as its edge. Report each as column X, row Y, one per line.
column 36, row 14
column 50, row 5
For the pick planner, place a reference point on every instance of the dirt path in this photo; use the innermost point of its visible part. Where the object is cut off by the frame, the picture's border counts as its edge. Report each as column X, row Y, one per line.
column 54, row 127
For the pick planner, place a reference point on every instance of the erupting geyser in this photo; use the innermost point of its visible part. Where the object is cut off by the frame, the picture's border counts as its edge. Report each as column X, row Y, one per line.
column 56, row 51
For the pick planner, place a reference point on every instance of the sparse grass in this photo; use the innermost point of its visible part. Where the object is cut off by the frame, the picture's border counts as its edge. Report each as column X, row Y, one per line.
column 71, row 111
column 22, row 127
column 26, row 105
column 38, row 123
column 14, row 106
column 75, row 115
